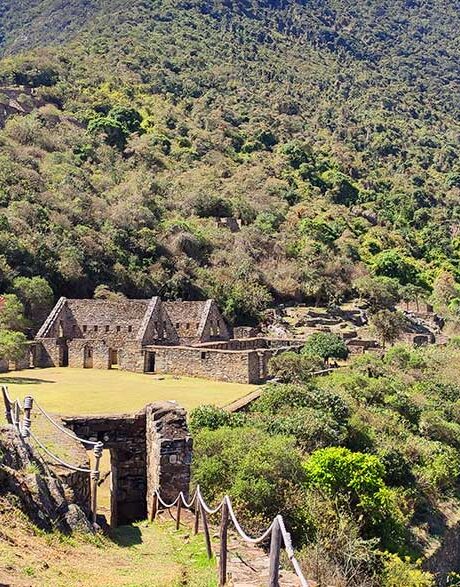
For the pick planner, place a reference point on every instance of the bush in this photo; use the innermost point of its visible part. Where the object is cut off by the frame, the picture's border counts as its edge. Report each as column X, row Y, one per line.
column 275, row 397
column 399, row 572
column 262, row 474
column 291, row 367
column 405, row 357
column 356, row 480
column 312, row 429
column 326, row 345
column 434, row 426
column 212, row 418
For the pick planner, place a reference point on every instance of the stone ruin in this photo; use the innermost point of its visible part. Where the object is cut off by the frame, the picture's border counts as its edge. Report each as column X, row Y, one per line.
column 152, row 336
column 150, row 450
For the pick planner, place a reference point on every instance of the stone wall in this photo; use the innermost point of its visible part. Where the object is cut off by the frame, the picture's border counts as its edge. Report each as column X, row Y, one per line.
column 169, row 452
column 131, row 358
column 235, row 366
column 49, row 352
column 245, row 331
column 149, row 450
column 88, row 353
column 253, row 344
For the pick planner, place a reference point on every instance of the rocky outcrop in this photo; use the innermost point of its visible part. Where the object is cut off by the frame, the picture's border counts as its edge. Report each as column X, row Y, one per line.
column 37, row 492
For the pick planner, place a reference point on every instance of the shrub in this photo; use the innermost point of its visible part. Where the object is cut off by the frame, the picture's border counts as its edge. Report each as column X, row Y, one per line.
column 212, row 417
column 263, row 474
column 356, row 479
column 434, row 426
column 311, row 428
column 326, row 345
column 399, row 572
column 404, row 357
column 275, row 397
column 294, row 368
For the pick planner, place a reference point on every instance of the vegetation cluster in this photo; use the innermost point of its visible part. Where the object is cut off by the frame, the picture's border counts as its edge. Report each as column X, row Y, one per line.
column 328, row 129
column 359, row 462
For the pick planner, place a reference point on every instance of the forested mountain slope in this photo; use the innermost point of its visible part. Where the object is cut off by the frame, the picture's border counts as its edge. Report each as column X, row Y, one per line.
column 330, row 129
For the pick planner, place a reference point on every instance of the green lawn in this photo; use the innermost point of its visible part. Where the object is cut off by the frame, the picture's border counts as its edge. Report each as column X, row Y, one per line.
column 93, row 391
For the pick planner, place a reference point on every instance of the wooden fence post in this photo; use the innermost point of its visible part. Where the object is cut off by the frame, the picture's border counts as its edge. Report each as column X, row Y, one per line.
column 275, row 547
column 206, row 532
column 153, row 513
column 98, row 448
column 196, row 525
column 8, row 415
column 179, row 508
column 223, row 546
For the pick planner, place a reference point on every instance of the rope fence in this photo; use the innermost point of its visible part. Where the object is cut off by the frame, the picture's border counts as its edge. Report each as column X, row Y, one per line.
column 276, row 532
column 13, row 411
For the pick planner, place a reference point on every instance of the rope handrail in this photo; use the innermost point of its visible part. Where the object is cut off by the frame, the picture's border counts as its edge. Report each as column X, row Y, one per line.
column 59, row 460
column 277, row 522
column 61, row 428
column 13, row 411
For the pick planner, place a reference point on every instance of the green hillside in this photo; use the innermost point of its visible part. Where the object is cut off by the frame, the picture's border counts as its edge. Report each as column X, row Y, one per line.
column 330, row 129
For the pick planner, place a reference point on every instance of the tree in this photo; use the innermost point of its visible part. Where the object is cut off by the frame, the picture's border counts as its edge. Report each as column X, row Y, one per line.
column 117, row 125
column 12, row 313
column 394, row 264
column 36, row 295
column 445, row 288
column 388, row 325
column 413, row 293
column 12, row 345
column 380, row 292
column 326, row 345
column 103, row 292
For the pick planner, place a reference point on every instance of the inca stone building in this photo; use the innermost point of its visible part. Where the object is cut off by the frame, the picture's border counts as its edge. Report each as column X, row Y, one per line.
column 149, row 336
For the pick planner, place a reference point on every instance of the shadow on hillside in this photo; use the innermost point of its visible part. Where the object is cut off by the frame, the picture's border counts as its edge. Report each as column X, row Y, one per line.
column 24, row 380
column 127, row 536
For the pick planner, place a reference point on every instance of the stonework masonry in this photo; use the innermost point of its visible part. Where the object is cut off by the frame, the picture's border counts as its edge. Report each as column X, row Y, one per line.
column 151, row 336
column 149, row 450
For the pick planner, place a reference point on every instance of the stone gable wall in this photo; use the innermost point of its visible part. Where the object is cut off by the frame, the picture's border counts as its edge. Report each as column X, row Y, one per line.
column 48, row 353
column 169, row 452
column 214, row 327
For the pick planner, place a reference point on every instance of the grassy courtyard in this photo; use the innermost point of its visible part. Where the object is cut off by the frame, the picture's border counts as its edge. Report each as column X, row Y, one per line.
column 93, row 391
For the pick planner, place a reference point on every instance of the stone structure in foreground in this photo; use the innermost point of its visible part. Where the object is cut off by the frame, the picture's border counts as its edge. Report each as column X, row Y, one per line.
column 152, row 336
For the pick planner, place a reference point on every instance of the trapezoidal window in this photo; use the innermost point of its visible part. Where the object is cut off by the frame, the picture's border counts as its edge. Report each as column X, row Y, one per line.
column 85, row 328
column 107, row 328
column 130, row 328
column 203, row 355
column 118, row 328
column 95, row 329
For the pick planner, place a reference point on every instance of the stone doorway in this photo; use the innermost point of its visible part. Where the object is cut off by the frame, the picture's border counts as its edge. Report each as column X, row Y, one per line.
column 64, row 354
column 113, row 355
column 149, row 362
column 88, row 358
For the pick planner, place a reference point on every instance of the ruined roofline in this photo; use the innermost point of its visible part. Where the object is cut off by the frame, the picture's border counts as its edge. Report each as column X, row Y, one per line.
column 48, row 323
column 154, row 303
column 204, row 317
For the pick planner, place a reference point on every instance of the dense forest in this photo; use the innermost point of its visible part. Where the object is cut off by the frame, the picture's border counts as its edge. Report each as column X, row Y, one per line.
column 328, row 129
